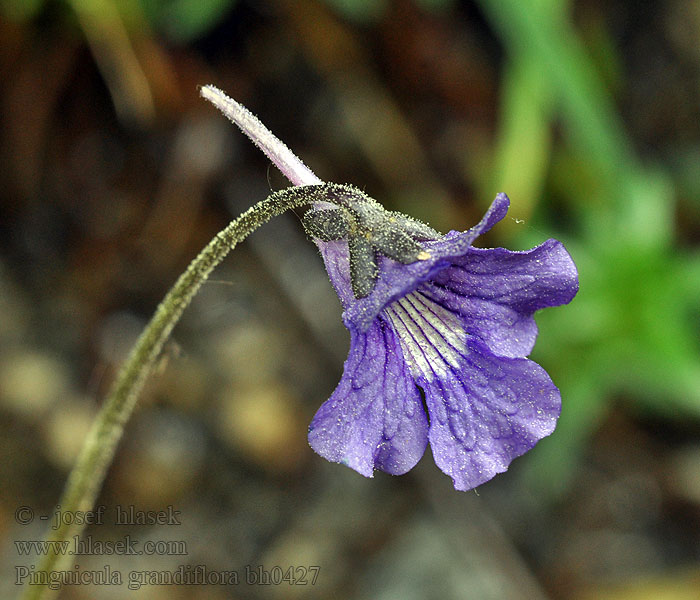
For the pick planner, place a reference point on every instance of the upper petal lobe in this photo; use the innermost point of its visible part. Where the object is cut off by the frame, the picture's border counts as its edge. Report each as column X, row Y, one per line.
column 527, row 281
column 496, row 291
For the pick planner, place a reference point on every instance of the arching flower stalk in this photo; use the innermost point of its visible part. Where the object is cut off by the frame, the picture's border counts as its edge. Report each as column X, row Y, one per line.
column 430, row 317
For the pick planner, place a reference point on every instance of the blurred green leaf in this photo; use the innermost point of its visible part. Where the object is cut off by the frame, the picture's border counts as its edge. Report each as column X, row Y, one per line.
column 186, row 20
column 628, row 334
column 524, row 139
column 540, row 31
column 550, row 466
column 633, row 330
column 21, row 10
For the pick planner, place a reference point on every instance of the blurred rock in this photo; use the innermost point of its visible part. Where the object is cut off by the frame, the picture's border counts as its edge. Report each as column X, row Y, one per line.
column 263, row 422
column 677, row 585
column 180, row 381
column 249, row 352
column 31, row 382
column 684, row 474
column 161, row 459
column 293, row 554
column 65, row 429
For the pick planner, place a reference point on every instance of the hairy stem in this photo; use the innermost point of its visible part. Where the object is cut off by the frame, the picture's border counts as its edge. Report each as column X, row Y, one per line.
column 98, row 450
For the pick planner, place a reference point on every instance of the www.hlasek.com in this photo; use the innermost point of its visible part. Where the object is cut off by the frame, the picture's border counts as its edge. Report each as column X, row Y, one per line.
column 89, row 546
column 182, row 575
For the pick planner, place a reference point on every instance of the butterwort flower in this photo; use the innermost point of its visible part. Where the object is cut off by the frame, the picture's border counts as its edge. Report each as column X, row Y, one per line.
column 451, row 329
column 440, row 332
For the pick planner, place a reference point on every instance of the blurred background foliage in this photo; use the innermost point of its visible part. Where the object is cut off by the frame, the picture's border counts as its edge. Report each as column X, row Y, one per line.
column 114, row 174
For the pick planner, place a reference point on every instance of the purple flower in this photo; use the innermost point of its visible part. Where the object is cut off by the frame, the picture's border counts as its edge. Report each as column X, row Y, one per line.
column 439, row 333
column 458, row 326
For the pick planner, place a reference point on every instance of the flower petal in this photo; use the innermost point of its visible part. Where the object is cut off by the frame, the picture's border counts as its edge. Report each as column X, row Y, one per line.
column 396, row 280
column 375, row 418
column 336, row 258
column 528, row 281
column 495, row 213
column 496, row 291
column 488, row 413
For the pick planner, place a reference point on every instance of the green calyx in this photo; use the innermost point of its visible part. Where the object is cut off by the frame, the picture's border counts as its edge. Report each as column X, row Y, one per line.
column 369, row 229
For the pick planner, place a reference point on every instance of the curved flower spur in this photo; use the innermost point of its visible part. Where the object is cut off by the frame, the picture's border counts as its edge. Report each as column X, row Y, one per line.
column 426, row 312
